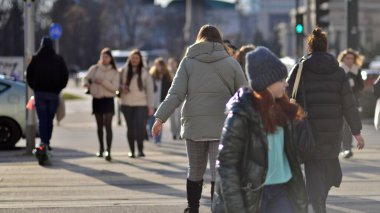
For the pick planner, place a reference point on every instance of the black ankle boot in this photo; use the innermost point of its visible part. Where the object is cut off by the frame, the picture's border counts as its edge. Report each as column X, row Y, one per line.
column 194, row 193
column 100, row 153
column 108, row 155
column 212, row 189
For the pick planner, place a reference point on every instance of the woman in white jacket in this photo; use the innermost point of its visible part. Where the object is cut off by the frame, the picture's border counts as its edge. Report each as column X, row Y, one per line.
column 103, row 82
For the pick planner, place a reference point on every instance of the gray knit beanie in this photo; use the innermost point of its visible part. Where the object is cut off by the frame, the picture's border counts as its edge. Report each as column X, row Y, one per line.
column 263, row 68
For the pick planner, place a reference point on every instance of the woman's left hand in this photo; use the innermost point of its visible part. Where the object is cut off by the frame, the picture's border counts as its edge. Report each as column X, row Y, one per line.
column 150, row 111
column 359, row 141
column 157, row 128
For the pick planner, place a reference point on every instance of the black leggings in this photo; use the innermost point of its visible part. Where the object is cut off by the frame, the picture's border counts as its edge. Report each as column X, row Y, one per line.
column 104, row 121
column 136, row 122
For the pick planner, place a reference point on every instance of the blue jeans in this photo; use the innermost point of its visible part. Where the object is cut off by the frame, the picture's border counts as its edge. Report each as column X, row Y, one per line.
column 274, row 199
column 151, row 121
column 46, row 106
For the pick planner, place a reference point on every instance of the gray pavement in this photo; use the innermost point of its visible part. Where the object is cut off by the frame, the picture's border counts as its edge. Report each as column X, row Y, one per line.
column 77, row 181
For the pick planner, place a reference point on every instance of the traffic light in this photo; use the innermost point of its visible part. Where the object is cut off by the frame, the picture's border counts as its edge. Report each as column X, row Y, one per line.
column 299, row 24
column 322, row 13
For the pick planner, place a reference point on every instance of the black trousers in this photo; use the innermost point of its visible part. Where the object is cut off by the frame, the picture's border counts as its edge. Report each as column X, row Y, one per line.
column 321, row 175
column 135, row 118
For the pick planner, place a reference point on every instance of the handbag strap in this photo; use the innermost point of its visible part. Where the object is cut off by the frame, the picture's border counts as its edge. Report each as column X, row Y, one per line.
column 296, row 83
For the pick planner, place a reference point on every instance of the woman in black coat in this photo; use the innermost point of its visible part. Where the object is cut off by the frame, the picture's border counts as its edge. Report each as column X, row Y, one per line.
column 329, row 99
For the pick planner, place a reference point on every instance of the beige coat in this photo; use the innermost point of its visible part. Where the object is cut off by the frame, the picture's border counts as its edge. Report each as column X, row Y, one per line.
column 110, row 83
column 135, row 97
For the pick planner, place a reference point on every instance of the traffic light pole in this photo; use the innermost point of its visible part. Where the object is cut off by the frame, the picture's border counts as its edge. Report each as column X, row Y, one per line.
column 28, row 52
column 299, row 36
column 352, row 24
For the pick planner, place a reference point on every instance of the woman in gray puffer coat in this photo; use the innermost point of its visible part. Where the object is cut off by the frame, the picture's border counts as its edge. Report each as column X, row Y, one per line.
column 258, row 166
column 206, row 79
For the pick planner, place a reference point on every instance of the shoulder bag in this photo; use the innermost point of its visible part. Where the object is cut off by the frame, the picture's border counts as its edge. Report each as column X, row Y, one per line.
column 305, row 138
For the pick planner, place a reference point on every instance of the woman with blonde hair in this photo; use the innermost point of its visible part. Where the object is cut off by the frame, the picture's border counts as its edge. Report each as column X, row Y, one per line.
column 103, row 82
column 206, row 78
column 136, row 101
column 162, row 81
column 351, row 62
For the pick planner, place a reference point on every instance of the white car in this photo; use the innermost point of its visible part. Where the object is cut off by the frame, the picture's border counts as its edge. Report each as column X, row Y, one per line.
column 375, row 64
column 12, row 111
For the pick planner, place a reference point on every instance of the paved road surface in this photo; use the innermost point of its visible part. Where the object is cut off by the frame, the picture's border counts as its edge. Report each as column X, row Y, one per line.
column 77, row 181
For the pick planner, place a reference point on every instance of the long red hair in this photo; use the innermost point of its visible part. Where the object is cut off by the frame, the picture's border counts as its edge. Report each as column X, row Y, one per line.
column 275, row 112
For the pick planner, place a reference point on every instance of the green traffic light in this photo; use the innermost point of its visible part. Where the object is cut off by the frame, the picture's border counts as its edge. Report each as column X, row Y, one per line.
column 299, row 28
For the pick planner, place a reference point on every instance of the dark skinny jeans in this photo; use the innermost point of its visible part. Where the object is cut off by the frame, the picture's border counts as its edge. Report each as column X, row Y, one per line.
column 135, row 118
column 46, row 106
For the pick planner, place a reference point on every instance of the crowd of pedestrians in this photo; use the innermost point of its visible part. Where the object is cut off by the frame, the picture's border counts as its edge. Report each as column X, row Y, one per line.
column 232, row 109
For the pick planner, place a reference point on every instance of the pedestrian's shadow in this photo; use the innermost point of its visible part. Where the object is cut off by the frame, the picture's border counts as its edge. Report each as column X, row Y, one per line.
column 171, row 148
column 60, row 159
column 118, row 179
column 342, row 204
column 359, row 168
column 122, row 180
column 180, row 173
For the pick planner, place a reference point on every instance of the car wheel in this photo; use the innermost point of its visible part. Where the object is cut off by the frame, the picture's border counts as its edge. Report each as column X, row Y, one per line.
column 10, row 133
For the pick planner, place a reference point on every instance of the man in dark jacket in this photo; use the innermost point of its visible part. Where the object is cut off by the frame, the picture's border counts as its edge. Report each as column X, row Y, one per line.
column 328, row 98
column 47, row 75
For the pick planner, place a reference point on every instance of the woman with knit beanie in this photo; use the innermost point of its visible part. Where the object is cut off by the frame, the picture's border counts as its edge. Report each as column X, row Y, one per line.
column 258, row 168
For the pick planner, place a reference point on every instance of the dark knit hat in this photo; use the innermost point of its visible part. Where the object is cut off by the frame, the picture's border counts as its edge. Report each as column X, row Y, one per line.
column 263, row 68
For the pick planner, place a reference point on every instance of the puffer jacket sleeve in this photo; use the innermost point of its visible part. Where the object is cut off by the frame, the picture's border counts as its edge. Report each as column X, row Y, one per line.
column 90, row 75
column 232, row 146
column 176, row 94
column 113, row 84
column 350, row 112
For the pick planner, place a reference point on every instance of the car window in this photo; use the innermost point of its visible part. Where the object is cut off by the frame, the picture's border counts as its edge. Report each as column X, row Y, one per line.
column 3, row 87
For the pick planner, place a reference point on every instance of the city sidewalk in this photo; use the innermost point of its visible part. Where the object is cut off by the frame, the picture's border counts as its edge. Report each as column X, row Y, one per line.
column 77, row 181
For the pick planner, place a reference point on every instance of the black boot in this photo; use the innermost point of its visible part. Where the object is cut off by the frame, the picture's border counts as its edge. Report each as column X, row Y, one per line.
column 108, row 155
column 140, row 147
column 101, row 150
column 212, row 189
column 194, row 193
column 131, row 142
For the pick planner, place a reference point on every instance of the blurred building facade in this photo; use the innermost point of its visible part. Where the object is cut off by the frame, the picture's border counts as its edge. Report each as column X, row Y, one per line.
column 369, row 26
column 263, row 16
